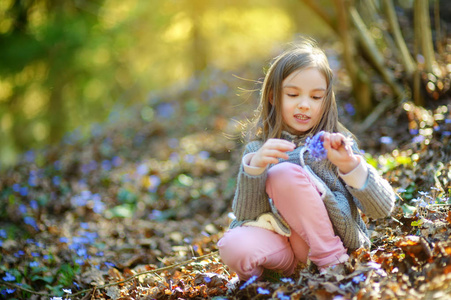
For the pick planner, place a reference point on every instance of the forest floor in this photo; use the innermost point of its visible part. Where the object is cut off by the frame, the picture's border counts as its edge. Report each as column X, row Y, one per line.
column 134, row 208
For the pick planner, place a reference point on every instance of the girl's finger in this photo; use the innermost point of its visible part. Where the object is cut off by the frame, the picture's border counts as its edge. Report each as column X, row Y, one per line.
column 326, row 140
column 275, row 154
column 281, row 144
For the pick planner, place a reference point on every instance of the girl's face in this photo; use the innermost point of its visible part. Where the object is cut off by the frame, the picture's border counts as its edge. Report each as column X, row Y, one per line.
column 303, row 93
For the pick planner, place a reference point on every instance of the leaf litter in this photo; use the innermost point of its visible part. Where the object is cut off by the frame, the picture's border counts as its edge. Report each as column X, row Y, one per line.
column 134, row 208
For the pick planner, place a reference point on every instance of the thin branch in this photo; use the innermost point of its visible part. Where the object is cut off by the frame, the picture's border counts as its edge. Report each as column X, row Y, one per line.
column 117, row 282
column 375, row 55
column 322, row 14
column 406, row 58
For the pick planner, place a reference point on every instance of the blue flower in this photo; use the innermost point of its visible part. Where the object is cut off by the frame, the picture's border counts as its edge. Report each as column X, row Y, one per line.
column 142, row 169
column 413, row 131
column 117, row 161
column 207, row 279
column 30, row 221
column 155, row 181
column 82, row 252
column 204, row 155
column 22, row 209
column 23, row 191
column 34, row 204
column 108, row 264
column 16, row 187
column 8, row 277
column 316, row 146
column 19, row 253
column 29, row 156
column 106, row 165
column 386, row 140
column 34, row 264
column 418, row 139
column 99, row 206
column 263, row 291
column 10, row 291
column 350, row 109
column 287, row 280
column 56, row 180
column 64, row 239
column 249, row 281
column 3, row 234
column 281, row 296
column 359, row 278
column 165, row 110
column 33, row 180
column 35, row 254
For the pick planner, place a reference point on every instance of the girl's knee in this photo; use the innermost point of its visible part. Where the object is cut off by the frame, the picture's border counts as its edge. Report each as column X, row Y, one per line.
column 285, row 173
column 247, row 250
column 236, row 245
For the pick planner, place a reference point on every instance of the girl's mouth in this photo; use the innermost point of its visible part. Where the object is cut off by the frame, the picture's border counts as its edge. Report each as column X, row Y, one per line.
column 301, row 117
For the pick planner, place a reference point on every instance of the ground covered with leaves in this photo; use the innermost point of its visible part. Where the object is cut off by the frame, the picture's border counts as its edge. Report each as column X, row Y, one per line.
column 133, row 209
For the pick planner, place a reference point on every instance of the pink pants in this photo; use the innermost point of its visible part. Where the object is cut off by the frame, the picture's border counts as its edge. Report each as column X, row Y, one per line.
column 249, row 250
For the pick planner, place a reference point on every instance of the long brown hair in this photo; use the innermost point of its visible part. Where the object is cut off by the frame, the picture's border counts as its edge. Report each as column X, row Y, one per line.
column 268, row 122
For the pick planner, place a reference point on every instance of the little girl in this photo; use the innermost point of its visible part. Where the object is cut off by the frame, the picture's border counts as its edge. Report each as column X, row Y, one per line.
column 290, row 206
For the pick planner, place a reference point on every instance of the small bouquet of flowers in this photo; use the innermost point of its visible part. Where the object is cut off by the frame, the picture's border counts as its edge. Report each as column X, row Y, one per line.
column 315, row 146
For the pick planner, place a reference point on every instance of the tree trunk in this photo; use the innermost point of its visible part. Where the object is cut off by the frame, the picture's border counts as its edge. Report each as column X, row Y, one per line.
column 406, row 58
column 360, row 83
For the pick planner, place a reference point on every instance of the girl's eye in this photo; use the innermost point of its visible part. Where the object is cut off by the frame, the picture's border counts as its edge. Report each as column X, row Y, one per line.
column 317, row 97
column 291, row 95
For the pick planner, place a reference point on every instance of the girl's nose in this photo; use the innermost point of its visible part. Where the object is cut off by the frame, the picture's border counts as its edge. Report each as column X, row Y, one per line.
column 303, row 103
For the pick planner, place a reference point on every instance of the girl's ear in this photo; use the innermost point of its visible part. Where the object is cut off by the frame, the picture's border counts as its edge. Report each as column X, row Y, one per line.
column 271, row 100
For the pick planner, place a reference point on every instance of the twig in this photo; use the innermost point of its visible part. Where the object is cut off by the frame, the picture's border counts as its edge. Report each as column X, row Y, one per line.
column 146, row 272
column 117, row 282
column 24, row 289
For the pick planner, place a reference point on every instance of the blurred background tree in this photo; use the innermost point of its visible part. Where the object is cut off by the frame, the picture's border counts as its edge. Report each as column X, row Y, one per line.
column 65, row 64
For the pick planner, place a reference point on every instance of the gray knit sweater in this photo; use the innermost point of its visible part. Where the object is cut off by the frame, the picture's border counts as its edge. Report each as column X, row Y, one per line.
column 375, row 199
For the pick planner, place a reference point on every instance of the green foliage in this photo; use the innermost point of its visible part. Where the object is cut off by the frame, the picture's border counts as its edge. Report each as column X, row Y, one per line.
column 69, row 62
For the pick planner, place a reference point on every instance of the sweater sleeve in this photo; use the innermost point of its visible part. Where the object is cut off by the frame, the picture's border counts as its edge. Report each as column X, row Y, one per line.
column 250, row 199
column 376, row 197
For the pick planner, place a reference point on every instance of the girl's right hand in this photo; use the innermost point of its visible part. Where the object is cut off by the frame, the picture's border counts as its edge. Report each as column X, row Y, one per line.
column 270, row 152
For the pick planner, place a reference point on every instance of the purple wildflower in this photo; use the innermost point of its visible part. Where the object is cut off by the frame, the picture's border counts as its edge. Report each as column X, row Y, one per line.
column 8, row 277
column 359, row 278
column 34, row 204
column 263, row 291
column 34, row 264
column 287, row 280
column 249, row 281
column 315, row 146
column 31, row 221
column 418, row 139
column 56, row 180
column 386, row 140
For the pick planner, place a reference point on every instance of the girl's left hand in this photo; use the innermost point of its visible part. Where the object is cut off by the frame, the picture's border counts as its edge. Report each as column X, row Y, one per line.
column 339, row 152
